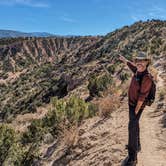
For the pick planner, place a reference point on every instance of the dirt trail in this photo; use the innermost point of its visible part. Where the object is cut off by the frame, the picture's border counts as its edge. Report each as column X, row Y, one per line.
column 152, row 135
column 153, row 145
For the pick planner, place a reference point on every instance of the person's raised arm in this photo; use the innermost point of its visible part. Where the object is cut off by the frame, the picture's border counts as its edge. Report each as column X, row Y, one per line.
column 130, row 64
column 123, row 59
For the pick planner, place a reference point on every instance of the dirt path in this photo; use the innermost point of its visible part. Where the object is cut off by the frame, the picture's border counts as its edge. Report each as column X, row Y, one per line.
column 152, row 136
column 153, row 152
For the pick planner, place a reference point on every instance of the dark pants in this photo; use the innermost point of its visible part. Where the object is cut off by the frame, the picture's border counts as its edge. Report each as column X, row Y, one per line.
column 133, row 131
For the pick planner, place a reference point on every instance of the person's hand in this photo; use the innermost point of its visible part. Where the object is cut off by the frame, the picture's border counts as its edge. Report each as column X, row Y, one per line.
column 136, row 112
column 122, row 58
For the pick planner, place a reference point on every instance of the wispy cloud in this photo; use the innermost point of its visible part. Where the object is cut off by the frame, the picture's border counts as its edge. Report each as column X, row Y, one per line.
column 30, row 3
column 153, row 12
column 157, row 11
column 65, row 17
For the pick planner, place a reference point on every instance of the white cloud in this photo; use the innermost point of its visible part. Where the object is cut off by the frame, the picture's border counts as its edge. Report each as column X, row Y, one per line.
column 63, row 16
column 30, row 3
column 67, row 19
column 153, row 12
column 157, row 11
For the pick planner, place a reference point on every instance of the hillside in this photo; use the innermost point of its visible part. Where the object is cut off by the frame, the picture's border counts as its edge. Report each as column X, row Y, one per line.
column 14, row 34
column 48, row 65
column 43, row 63
column 35, row 70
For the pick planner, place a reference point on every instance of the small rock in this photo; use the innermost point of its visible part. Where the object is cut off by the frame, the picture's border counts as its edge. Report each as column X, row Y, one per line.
column 48, row 138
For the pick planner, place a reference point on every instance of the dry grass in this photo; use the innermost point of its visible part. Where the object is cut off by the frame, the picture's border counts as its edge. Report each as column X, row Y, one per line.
column 107, row 105
column 154, row 73
column 110, row 90
column 162, row 94
column 70, row 135
column 110, row 100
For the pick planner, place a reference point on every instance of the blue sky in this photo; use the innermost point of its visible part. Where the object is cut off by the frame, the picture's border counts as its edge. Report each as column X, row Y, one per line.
column 77, row 17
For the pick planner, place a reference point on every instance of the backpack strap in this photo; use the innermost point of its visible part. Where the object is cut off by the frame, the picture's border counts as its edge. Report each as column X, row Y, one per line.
column 141, row 78
column 138, row 79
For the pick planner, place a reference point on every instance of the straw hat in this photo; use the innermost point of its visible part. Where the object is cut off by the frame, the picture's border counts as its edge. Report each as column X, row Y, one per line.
column 142, row 56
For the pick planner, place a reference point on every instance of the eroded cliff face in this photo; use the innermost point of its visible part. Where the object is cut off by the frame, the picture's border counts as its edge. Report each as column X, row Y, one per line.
column 21, row 54
column 39, row 68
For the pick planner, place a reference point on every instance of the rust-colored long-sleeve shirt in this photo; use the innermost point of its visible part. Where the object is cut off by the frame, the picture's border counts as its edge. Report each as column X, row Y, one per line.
column 136, row 91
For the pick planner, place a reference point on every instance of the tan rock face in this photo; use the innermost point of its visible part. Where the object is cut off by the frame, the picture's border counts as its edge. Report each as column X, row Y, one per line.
column 40, row 50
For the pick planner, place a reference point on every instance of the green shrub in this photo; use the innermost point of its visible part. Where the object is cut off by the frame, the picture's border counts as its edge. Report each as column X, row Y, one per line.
column 7, row 112
column 31, row 153
column 77, row 110
column 11, row 151
column 7, row 138
column 162, row 93
column 4, row 75
column 111, row 69
column 35, row 132
column 55, row 115
column 63, row 112
column 68, row 111
column 123, row 76
column 98, row 84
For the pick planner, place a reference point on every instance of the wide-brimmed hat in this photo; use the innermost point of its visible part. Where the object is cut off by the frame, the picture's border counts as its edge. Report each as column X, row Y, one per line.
column 142, row 56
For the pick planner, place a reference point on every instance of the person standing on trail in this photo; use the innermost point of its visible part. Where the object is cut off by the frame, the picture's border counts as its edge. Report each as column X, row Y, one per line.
column 137, row 94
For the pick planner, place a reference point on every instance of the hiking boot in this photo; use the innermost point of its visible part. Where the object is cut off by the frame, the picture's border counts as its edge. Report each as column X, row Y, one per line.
column 129, row 162
column 139, row 148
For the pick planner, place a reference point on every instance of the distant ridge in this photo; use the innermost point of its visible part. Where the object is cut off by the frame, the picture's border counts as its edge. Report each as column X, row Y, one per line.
column 11, row 33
